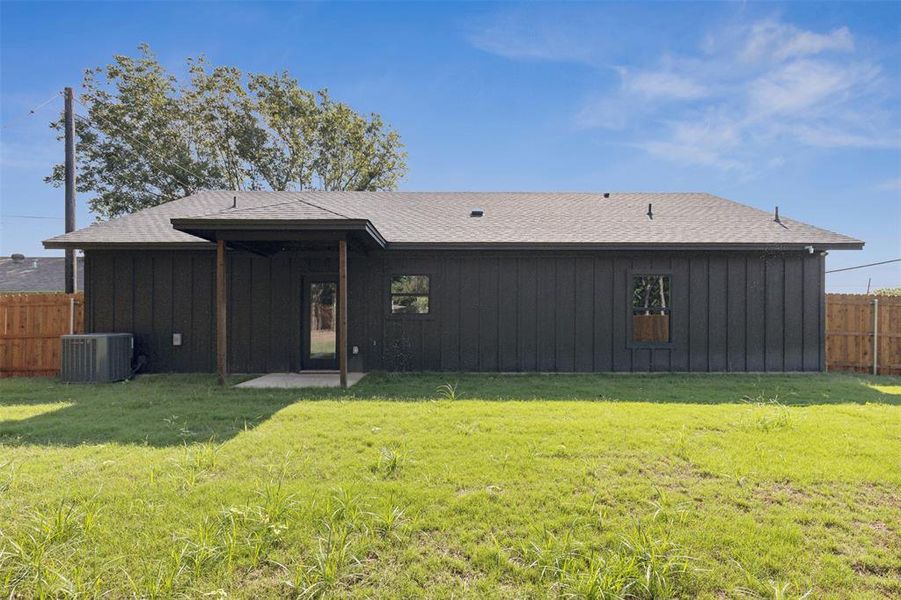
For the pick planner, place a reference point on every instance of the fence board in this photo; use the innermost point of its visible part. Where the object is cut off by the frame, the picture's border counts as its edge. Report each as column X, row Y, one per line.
column 30, row 326
column 849, row 333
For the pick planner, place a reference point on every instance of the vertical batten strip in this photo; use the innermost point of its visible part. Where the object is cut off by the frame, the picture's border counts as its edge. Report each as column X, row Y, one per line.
column 221, row 317
column 342, row 311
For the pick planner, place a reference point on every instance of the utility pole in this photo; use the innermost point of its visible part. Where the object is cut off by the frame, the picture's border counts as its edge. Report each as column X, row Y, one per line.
column 70, row 186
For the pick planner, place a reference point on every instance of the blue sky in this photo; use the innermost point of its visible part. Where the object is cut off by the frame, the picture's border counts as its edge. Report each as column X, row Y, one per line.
column 796, row 105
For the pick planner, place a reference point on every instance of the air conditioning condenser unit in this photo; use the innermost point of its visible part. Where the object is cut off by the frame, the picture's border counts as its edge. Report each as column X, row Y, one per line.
column 96, row 357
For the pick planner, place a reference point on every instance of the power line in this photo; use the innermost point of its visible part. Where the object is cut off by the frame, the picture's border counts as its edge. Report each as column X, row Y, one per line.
column 141, row 144
column 29, row 217
column 884, row 262
column 89, row 124
column 31, row 112
column 122, row 133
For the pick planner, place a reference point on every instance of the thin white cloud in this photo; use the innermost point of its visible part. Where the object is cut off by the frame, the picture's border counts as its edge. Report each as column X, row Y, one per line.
column 830, row 137
column 521, row 36
column 609, row 112
column 748, row 94
column 890, row 185
column 639, row 97
column 663, row 84
column 691, row 153
column 707, row 143
column 774, row 40
column 778, row 84
column 805, row 85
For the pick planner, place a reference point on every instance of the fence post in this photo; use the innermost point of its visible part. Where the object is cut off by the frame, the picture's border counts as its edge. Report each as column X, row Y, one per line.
column 875, row 336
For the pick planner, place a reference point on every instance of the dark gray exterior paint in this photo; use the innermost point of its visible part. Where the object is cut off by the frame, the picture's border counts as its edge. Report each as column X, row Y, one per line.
column 490, row 310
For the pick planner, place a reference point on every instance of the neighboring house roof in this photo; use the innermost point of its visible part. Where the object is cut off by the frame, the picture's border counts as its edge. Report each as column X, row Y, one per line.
column 439, row 219
column 36, row 274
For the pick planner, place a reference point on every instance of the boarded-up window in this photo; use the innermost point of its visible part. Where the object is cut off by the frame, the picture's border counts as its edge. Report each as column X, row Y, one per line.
column 410, row 295
column 651, row 308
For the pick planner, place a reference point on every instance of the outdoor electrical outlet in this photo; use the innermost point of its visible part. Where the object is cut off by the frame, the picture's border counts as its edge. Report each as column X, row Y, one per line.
column 176, row 339
column 356, row 350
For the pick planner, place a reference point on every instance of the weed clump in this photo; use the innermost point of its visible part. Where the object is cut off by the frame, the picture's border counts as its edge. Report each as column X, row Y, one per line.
column 389, row 463
column 447, row 391
column 32, row 560
column 766, row 414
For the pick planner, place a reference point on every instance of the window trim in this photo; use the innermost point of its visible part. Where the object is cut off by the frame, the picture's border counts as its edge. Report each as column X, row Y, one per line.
column 630, row 278
column 389, row 296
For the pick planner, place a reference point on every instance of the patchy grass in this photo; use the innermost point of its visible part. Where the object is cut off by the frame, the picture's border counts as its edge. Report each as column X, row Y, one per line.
column 454, row 485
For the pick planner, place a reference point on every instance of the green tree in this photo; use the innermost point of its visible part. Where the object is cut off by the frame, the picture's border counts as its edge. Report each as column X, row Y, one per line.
column 889, row 291
column 148, row 138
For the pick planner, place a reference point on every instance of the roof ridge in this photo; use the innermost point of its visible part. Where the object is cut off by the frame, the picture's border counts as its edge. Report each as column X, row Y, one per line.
column 282, row 203
column 325, row 209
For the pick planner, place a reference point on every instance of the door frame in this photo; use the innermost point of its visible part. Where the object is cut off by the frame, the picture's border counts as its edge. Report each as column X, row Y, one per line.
column 306, row 362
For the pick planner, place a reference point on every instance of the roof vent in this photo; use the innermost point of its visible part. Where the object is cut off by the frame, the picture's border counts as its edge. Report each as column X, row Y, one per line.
column 606, row 194
column 18, row 257
column 651, row 211
column 476, row 212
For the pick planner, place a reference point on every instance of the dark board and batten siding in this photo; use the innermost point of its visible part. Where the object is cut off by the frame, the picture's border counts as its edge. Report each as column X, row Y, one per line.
column 153, row 295
column 569, row 312
column 491, row 311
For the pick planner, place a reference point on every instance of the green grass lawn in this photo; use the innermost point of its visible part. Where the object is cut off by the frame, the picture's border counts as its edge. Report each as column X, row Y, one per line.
column 520, row 486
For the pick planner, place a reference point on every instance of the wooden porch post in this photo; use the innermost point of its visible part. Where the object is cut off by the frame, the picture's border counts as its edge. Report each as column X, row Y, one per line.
column 342, row 311
column 221, row 320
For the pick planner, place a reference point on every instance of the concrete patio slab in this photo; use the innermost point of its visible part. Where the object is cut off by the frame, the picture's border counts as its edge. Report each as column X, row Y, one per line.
column 301, row 380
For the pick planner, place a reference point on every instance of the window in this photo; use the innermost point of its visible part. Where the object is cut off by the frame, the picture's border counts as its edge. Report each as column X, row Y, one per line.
column 410, row 295
column 650, row 308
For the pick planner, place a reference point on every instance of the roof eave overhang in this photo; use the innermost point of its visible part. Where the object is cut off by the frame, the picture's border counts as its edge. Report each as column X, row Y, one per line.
column 52, row 244
column 271, row 229
column 801, row 246
column 206, row 243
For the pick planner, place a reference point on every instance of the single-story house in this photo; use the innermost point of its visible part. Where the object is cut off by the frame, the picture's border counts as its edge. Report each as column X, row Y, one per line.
column 289, row 281
column 20, row 273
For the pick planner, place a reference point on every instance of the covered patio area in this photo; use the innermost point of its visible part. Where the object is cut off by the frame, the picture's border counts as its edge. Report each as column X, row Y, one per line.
column 266, row 233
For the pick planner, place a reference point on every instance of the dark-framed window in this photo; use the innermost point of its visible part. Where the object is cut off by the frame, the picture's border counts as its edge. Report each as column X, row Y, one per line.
column 650, row 308
column 409, row 294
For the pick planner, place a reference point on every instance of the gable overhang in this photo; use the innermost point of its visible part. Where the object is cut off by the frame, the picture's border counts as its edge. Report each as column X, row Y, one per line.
column 268, row 232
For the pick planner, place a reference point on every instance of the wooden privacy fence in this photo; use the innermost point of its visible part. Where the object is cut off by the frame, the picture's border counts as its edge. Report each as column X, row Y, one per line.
column 30, row 326
column 850, row 322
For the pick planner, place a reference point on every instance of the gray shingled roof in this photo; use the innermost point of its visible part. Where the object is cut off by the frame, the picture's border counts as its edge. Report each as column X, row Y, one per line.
column 443, row 218
column 37, row 274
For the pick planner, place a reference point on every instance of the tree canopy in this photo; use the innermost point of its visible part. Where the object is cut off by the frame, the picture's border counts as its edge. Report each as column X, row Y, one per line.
column 148, row 138
column 888, row 291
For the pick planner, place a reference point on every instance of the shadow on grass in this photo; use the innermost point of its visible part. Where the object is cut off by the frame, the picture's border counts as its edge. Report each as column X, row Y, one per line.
column 158, row 410
column 700, row 388
column 165, row 410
